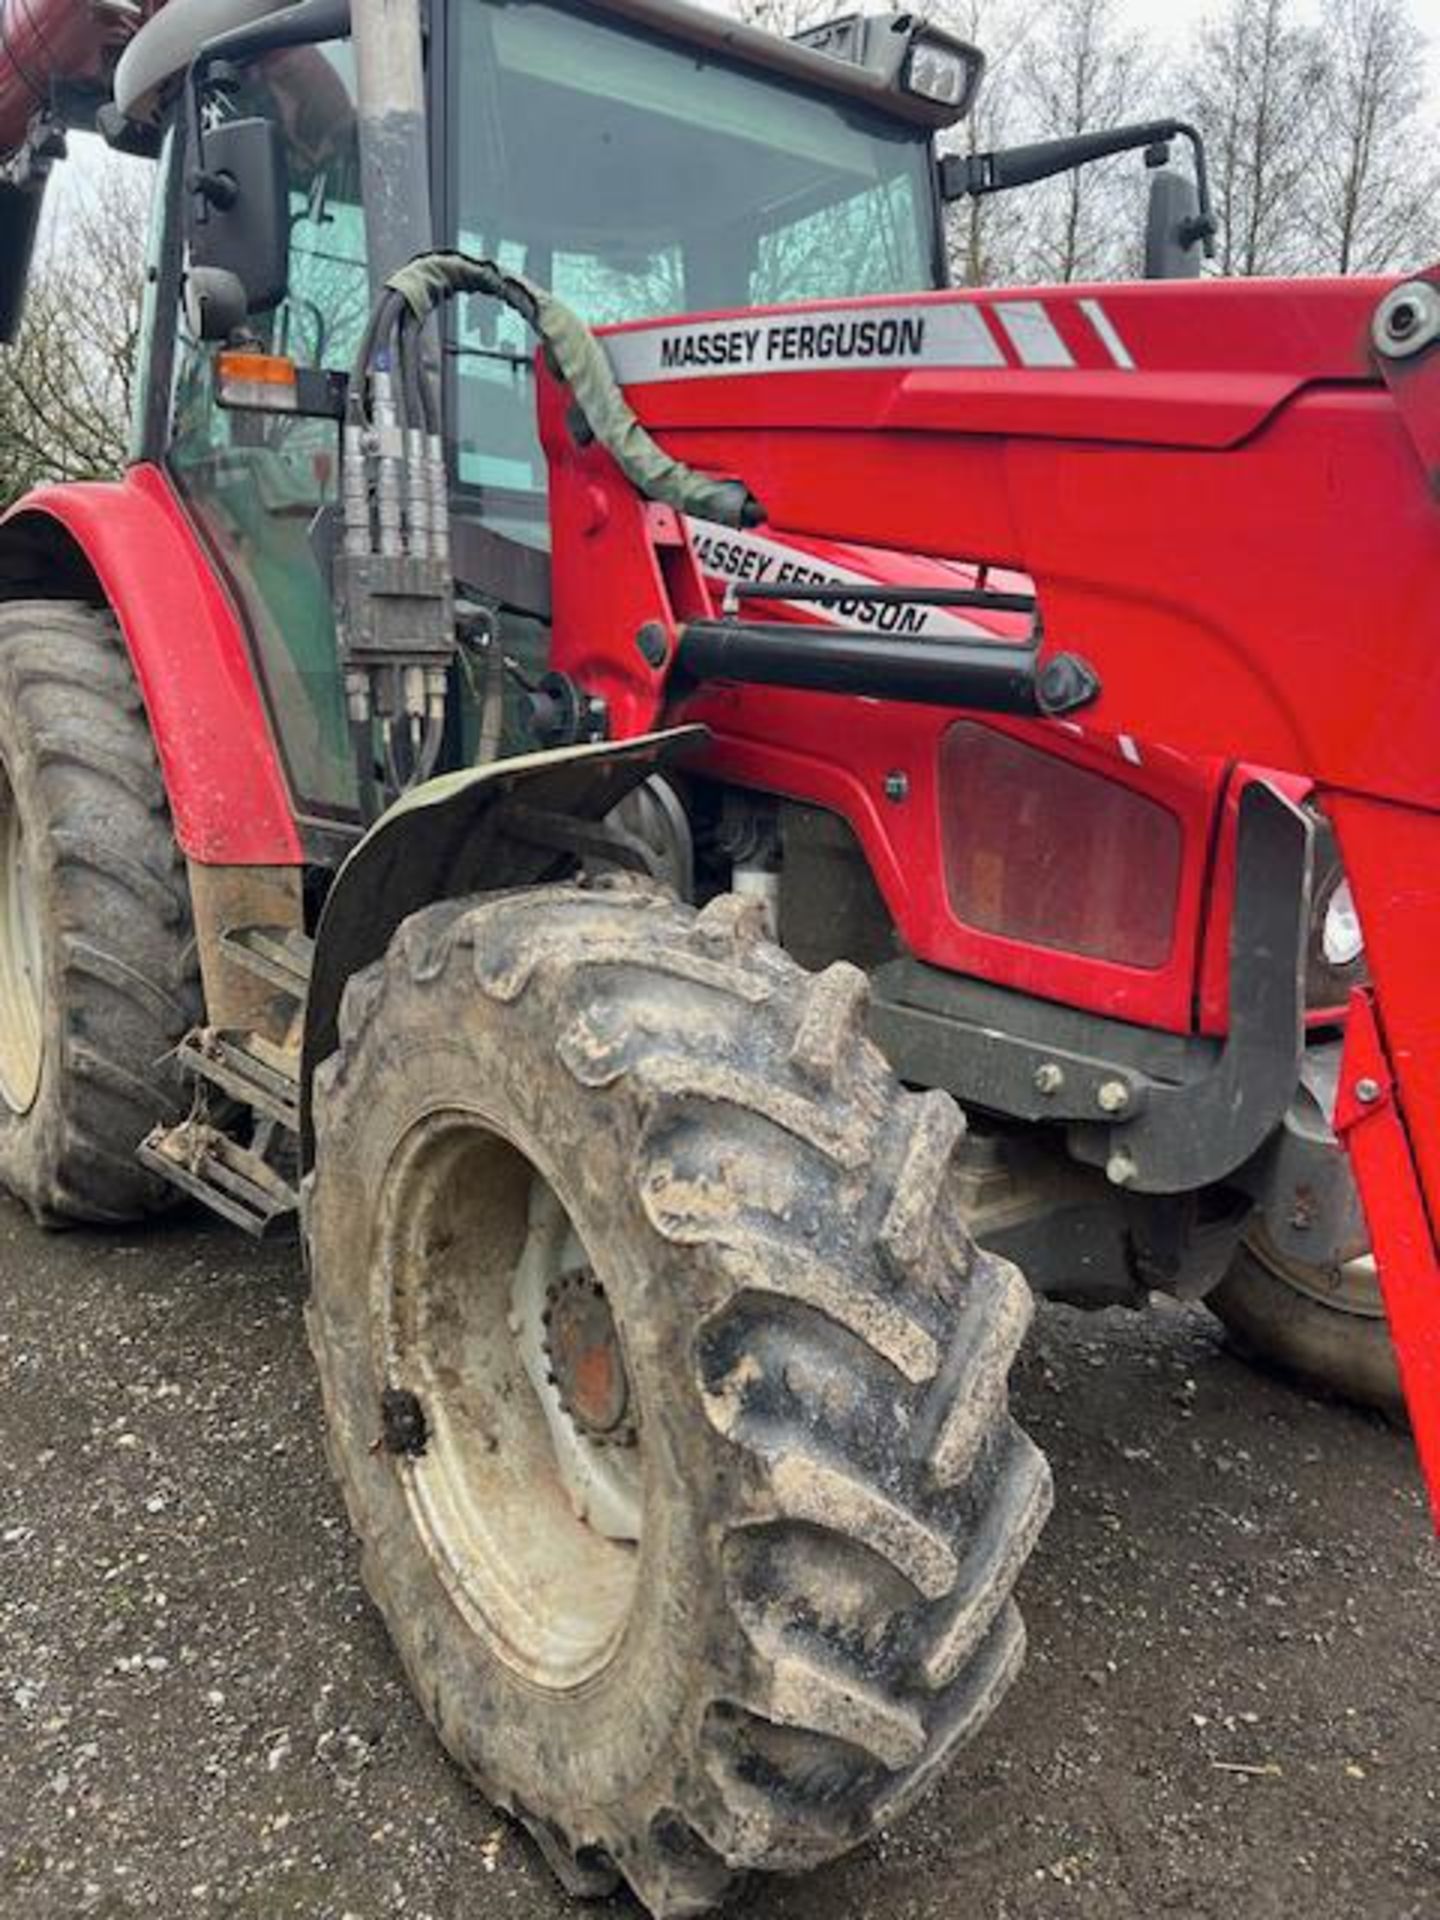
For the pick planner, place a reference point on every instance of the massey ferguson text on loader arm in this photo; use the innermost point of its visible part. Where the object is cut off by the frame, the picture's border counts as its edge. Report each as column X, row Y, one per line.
column 1229, row 502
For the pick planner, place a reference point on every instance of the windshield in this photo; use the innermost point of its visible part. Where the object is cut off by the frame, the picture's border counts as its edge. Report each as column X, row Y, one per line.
column 636, row 177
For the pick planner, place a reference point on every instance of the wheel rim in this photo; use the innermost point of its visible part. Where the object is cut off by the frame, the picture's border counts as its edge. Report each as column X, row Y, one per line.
column 1349, row 1286
column 531, row 1517
column 22, row 963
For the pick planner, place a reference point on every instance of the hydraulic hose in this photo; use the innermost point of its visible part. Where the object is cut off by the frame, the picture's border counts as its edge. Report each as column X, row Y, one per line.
column 432, row 278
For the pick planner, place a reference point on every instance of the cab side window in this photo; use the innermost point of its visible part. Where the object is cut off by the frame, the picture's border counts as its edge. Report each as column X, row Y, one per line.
column 257, row 484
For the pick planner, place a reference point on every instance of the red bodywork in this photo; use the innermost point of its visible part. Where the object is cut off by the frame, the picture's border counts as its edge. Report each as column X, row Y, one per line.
column 1182, row 982
column 1233, row 521
column 192, row 659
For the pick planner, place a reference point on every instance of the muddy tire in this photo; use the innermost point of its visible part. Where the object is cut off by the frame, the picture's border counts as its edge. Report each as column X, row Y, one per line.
column 812, row 1606
column 98, row 975
column 1326, row 1328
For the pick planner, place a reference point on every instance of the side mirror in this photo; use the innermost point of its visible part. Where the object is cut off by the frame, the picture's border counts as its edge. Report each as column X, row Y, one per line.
column 19, row 222
column 239, row 221
column 215, row 306
column 1175, row 229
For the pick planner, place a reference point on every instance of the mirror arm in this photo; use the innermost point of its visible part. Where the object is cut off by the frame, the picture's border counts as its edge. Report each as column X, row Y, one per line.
column 969, row 175
column 198, row 181
column 1204, row 226
column 209, row 189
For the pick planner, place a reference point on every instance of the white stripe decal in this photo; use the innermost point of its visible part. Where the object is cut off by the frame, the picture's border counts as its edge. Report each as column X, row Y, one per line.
column 743, row 559
column 1032, row 334
column 938, row 335
column 1109, row 338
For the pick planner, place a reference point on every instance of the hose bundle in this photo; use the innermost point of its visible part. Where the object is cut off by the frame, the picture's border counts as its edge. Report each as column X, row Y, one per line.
column 420, row 287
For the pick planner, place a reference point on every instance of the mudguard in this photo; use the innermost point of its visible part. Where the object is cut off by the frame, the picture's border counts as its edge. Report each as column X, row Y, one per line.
column 129, row 543
column 456, row 835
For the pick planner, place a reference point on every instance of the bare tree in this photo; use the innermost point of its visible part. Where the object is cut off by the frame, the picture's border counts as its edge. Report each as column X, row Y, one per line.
column 1372, row 193
column 987, row 237
column 1253, row 83
column 1084, row 69
column 67, row 386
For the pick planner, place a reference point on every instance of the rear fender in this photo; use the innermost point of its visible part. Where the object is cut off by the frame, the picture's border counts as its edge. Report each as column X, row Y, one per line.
column 128, row 544
column 460, row 834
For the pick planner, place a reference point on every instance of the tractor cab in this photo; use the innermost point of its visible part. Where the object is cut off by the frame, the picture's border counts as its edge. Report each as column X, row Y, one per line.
column 632, row 171
column 638, row 160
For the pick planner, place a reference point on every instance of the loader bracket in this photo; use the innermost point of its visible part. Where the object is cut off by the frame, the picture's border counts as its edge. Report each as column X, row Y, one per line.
column 1192, row 1136
column 470, row 832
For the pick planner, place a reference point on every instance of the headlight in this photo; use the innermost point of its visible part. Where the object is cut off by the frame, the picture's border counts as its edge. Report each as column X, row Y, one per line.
column 1335, row 950
column 940, row 73
column 1341, row 940
column 936, row 70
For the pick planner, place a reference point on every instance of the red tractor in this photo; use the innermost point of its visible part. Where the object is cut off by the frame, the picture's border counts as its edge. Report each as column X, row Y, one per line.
column 574, row 868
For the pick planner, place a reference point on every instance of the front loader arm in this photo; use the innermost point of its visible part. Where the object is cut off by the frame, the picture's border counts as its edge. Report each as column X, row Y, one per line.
column 1228, row 513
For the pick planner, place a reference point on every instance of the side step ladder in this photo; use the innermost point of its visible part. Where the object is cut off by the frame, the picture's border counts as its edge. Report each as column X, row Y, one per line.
column 236, row 1182
column 253, row 1184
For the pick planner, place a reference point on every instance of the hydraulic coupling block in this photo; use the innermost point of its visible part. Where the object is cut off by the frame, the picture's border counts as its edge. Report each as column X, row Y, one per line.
column 394, row 588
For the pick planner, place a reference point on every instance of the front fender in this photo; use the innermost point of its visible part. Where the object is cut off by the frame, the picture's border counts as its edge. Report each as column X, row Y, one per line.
column 449, row 838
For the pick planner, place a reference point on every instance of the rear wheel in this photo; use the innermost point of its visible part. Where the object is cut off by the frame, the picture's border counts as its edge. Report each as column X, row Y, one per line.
column 98, row 976
column 666, row 1391
column 1324, row 1324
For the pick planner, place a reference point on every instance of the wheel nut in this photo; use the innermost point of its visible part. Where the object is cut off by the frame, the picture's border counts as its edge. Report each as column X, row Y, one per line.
column 1049, row 1078
column 1112, row 1096
column 1120, row 1168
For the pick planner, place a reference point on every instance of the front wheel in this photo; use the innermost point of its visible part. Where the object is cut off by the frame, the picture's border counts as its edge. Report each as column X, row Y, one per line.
column 666, row 1391
column 1324, row 1324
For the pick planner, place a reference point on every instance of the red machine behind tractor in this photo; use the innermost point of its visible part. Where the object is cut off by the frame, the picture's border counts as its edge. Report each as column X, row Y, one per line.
column 576, row 868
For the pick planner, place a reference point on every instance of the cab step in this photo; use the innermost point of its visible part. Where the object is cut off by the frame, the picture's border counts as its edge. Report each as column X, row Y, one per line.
column 234, row 1181
column 280, row 956
column 249, row 1180
column 259, row 1073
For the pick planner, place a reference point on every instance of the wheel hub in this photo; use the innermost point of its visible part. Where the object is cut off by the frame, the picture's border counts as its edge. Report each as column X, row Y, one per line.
column 531, row 1523
column 586, row 1365
column 572, row 1351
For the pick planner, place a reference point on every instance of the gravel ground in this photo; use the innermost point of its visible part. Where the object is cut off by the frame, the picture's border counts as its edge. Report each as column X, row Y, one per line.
column 1230, row 1706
